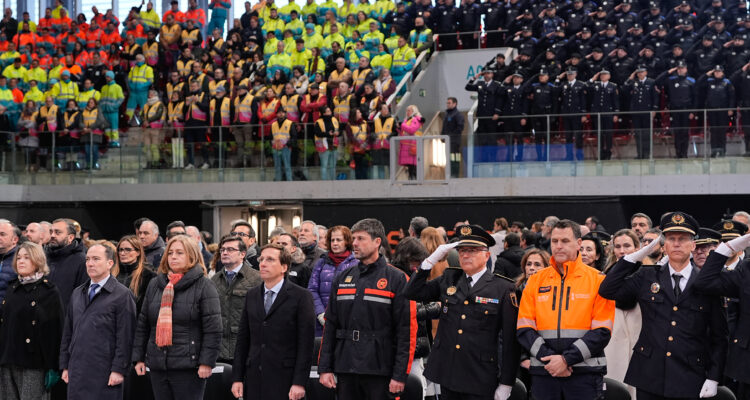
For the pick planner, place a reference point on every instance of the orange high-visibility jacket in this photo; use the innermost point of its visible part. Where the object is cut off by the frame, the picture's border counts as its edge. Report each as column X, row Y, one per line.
column 563, row 314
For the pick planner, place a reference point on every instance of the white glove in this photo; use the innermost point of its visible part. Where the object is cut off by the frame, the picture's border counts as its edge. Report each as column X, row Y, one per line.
column 734, row 246
column 709, row 389
column 438, row 255
column 322, row 319
column 643, row 252
column 503, row 392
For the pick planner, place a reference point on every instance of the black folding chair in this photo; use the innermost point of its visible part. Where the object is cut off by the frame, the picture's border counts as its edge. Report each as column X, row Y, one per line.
column 614, row 390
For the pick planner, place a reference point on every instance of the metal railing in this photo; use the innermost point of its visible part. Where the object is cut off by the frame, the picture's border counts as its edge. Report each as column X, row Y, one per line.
column 662, row 126
column 225, row 158
column 481, row 39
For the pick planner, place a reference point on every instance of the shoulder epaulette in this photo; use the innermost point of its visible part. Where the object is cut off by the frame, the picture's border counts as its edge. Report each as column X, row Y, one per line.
column 504, row 277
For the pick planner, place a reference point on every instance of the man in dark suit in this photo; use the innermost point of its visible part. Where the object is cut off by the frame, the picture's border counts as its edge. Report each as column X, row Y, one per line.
column 682, row 346
column 716, row 280
column 99, row 329
column 477, row 305
column 273, row 356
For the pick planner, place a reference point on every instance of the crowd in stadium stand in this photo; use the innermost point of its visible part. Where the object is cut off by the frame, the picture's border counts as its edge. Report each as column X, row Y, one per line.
column 80, row 80
column 72, row 308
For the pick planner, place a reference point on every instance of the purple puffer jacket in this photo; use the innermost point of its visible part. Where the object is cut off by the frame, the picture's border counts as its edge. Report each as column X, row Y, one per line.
column 320, row 282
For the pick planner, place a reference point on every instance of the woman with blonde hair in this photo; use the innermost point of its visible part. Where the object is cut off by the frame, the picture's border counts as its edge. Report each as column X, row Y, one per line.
column 31, row 324
column 132, row 269
column 627, row 325
column 407, row 152
column 179, row 326
column 431, row 239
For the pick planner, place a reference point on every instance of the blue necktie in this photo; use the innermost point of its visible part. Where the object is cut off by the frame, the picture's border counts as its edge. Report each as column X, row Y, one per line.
column 92, row 291
column 230, row 276
column 268, row 301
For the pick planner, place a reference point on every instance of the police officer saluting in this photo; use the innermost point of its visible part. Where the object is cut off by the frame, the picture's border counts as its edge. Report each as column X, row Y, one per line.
column 488, row 96
column 605, row 98
column 716, row 91
column 645, row 98
column 543, row 100
column 681, row 95
column 680, row 351
column 731, row 283
column 477, row 305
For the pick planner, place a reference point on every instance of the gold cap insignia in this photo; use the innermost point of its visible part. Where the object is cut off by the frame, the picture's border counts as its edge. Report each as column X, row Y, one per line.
column 678, row 219
column 465, row 230
column 728, row 226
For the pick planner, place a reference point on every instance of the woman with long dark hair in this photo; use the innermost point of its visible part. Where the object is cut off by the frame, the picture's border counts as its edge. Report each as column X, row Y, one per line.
column 132, row 269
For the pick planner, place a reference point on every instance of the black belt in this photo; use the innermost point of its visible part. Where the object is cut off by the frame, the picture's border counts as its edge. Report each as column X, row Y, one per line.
column 357, row 335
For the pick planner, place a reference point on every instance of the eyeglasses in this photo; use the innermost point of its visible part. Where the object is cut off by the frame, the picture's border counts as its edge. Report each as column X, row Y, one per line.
column 228, row 250
column 125, row 250
column 240, row 234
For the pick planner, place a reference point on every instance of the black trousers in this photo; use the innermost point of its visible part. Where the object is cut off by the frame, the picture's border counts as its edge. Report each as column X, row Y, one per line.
column 540, row 137
column 642, row 128
column 743, row 392
column 363, row 387
column 641, row 395
column 514, row 138
column 447, row 394
column 486, row 140
column 746, row 127
column 573, row 127
column 448, row 41
column 680, row 130
column 183, row 384
column 468, row 41
column 494, row 39
column 607, row 128
column 718, row 121
column 574, row 387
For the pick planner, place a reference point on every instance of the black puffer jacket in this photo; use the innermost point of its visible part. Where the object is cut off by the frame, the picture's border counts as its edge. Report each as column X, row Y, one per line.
column 126, row 276
column 196, row 324
column 508, row 263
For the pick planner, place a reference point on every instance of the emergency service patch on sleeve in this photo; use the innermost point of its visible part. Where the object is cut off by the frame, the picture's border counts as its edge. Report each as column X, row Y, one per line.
column 513, row 299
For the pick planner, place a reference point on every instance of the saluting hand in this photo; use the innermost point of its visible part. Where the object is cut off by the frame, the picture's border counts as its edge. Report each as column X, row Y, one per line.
column 644, row 251
column 115, row 378
column 438, row 255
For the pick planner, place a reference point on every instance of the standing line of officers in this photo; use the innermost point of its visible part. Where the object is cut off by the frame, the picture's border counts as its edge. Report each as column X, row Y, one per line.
column 182, row 321
column 515, row 102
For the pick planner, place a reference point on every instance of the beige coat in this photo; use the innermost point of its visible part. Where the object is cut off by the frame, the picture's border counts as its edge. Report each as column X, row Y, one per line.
column 625, row 334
